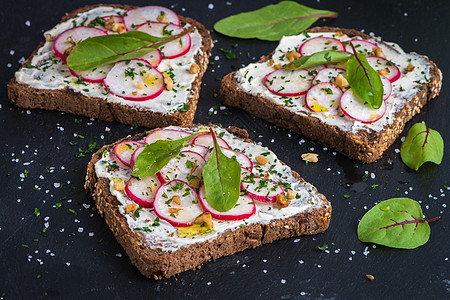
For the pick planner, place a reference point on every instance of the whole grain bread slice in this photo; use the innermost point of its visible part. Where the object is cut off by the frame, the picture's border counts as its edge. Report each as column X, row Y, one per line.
column 365, row 145
column 69, row 101
column 157, row 264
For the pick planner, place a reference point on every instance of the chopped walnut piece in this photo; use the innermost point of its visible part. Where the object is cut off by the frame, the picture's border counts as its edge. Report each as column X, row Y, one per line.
column 204, row 219
column 310, row 157
column 140, row 85
column 277, row 66
column 49, row 37
column 262, row 160
column 176, row 199
column 162, row 18
column 119, row 184
column 194, row 183
column 119, row 27
column 109, row 23
column 173, row 210
column 194, row 69
column 290, row 194
column 378, row 52
column 130, row 208
column 282, row 202
column 169, row 82
column 409, row 68
column 370, row 277
column 341, row 81
column 153, row 187
column 339, row 34
column 134, row 93
column 270, row 62
column 383, row 72
column 292, row 55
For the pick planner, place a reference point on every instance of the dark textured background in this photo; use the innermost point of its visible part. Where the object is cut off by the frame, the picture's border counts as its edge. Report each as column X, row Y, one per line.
column 79, row 257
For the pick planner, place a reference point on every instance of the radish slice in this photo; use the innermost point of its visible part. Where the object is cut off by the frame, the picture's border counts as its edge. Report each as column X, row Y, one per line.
column 205, row 139
column 142, row 190
column 244, row 208
column 178, row 215
column 165, row 134
column 71, row 38
column 241, row 158
column 125, row 150
column 361, row 47
column 260, row 189
column 137, row 16
column 318, row 44
column 172, row 49
column 95, row 75
column 202, row 150
column 154, row 58
column 357, row 110
column 186, row 166
column 324, row 98
column 134, row 79
column 289, row 83
column 387, row 87
column 380, row 64
column 135, row 155
column 329, row 75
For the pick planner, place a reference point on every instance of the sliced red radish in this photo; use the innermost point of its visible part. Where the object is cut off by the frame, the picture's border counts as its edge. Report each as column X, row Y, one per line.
column 142, row 190
column 361, row 47
column 240, row 157
column 244, row 208
column 261, row 189
column 358, row 110
column 167, row 208
column 283, row 82
column 329, row 75
column 172, row 49
column 186, row 166
column 202, row 150
column 69, row 39
column 135, row 155
column 154, row 58
column 97, row 74
column 137, row 16
column 384, row 67
column 165, row 134
column 324, row 98
column 320, row 43
column 387, row 87
column 124, row 150
column 205, row 139
column 134, row 79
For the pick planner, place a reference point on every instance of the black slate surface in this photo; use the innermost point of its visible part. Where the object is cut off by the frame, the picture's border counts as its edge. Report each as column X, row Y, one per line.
column 78, row 257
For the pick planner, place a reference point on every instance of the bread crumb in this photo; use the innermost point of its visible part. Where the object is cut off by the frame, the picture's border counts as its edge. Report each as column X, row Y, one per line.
column 310, row 157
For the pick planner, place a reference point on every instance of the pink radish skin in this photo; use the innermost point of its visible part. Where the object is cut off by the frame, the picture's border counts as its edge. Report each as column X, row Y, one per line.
column 354, row 108
column 137, row 16
column 190, row 204
column 329, row 75
column 266, row 194
column 387, row 87
column 165, row 134
column 318, row 44
column 154, row 58
column 178, row 167
column 202, row 150
column 245, row 208
column 288, row 83
column 173, row 49
column 318, row 100
column 241, row 158
column 120, row 83
column 135, row 155
column 140, row 191
column 361, row 47
column 205, row 139
column 125, row 150
column 98, row 74
column 383, row 64
column 75, row 35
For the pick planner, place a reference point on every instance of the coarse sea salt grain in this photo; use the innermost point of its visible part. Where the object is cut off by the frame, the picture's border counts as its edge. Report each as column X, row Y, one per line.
column 283, row 281
column 210, row 6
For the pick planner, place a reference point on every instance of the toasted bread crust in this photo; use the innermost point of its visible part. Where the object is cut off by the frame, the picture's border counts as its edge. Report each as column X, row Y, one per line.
column 366, row 146
column 69, row 101
column 155, row 263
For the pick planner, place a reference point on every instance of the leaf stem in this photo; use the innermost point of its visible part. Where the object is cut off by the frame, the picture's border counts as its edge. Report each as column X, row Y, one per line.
column 364, row 69
column 434, row 219
column 335, row 15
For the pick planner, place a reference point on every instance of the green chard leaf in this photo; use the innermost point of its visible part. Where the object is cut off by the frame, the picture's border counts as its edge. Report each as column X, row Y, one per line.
column 156, row 155
column 222, row 179
column 422, row 144
column 364, row 80
column 272, row 22
column 396, row 223
column 100, row 50
column 318, row 58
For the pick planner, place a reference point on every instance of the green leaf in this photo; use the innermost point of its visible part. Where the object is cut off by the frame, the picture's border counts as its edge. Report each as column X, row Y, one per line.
column 422, row 144
column 222, row 179
column 104, row 49
column 396, row 223
column 318, row 58
column 157, row 155
column 272, row 22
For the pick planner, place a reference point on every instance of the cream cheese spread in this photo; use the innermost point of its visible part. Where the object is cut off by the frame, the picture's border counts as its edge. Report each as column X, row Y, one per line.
column 164, row 236
column 50, row 73
column 250, row 79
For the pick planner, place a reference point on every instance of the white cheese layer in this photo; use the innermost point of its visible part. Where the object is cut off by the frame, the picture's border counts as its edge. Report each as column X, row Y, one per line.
column 250, row 79
column 52, row 74
column 165, row 235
